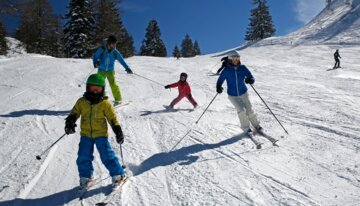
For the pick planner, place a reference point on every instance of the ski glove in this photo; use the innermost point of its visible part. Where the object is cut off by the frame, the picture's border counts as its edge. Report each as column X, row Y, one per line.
column 219, row 89
column 167, row 87
column 118, row 134
column 249, row 81
column 70, row 124
column 96, row 64
column 129, row 71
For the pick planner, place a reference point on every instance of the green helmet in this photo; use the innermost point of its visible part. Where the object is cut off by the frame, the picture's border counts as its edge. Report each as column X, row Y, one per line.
column 96, row 79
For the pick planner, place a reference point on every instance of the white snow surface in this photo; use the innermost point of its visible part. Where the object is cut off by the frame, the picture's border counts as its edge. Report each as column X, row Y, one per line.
column 316, row 164
column 337, row 24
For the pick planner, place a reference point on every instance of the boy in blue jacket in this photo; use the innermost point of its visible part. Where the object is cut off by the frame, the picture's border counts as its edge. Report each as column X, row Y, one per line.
column 236, row 75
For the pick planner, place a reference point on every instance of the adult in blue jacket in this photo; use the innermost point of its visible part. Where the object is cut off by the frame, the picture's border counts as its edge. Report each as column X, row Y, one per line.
column 236, row 75
column 104, row 59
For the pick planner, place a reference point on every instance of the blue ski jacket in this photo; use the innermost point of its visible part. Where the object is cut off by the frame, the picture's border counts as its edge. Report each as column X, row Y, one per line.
column 106, row 59
column 235, row 76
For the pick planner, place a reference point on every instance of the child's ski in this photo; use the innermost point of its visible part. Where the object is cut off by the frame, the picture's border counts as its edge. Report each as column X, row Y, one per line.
column 116, row 189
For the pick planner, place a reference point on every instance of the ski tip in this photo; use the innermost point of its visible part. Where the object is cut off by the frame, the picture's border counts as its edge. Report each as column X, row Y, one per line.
column 100, row 204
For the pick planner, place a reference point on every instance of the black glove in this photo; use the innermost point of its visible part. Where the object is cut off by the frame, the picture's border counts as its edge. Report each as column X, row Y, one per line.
column 129, row 71
column 96, row 64
column 118, row 134
column 167, row 87
column 219, row 89
column 249, row 81
column 70, row 124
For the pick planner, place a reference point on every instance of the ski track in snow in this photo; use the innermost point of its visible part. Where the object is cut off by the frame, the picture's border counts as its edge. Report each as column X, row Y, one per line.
column 174, row 161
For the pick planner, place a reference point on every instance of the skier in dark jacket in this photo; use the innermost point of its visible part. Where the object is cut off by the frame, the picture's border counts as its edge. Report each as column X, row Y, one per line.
column 337, row 60
column 184, row 91
column 225, row 61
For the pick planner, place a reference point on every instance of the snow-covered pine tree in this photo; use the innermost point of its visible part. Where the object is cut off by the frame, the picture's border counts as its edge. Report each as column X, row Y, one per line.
column 196, row 50
column 261, row 25
column 187, row 47
column 153, row 45
column 79, row 29
column 176, row 52
column 108, row 22
column 3, row 45
column 38, row 28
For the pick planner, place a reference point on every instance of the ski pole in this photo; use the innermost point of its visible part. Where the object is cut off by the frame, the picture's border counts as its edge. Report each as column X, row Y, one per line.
column 188, row 132
column 214, row 66
column 82, row 82
column 122, row 157
column 148, row 79
column 206, row 108
column 38, row 157
column 269, row 108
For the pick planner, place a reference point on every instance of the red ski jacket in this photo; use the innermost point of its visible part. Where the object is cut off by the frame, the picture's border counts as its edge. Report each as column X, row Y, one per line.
column 183, row 87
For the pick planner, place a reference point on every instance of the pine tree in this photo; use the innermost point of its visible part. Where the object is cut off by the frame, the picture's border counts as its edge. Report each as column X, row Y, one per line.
column 187, row 47
column 176, row 52
column 3, row 45
column 38, row 28
column 196, row 50
column 9, row 7
column 108, row 22
column 261, row 24
column 152, row 45
column 79, row 29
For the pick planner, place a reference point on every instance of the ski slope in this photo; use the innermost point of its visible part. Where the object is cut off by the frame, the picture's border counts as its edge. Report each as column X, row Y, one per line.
column 336, row 24
column 316, row 164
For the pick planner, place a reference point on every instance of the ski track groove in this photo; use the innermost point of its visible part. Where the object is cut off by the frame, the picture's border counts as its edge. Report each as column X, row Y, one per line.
column 259, row 173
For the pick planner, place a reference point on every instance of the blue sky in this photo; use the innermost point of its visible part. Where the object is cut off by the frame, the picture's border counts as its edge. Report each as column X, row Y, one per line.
column 216, row 25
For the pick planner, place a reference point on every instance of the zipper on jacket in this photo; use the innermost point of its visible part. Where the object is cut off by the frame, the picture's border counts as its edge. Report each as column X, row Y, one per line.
column 237, row 83
column 90, row 120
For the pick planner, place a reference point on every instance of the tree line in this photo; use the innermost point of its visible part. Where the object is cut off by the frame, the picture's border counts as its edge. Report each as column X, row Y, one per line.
column 89, row 22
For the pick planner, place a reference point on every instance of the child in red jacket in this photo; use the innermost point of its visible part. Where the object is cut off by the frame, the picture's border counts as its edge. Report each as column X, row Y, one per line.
column 184, row 91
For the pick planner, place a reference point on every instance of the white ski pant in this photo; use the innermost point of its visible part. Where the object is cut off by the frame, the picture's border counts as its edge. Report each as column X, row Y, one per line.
column 244, row 110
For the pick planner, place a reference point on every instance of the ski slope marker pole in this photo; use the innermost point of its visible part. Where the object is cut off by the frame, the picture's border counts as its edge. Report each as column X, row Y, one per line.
column 269, row 108
column 38, row 157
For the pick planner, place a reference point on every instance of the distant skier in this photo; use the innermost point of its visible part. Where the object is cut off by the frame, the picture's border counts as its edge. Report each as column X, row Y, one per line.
column 184, row 91
column 95, row 111
column 236, row 75
column 225, row 61
column 104, row 59
column 337, row 60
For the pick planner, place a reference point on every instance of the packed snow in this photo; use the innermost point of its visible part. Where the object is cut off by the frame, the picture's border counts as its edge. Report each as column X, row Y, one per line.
column 174, row 161
column 316, row 164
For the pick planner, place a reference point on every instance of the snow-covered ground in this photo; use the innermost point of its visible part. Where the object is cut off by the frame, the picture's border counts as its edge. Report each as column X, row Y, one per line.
column 317, row 164
column 337, row 24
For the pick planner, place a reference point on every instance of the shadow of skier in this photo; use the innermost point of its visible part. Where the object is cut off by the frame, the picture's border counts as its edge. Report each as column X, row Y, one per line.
column 183, row 155
column 146, row 113
column 35, row 112
column 59, row 198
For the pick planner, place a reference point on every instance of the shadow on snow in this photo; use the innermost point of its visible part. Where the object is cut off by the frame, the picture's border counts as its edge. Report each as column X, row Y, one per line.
column 35, row 112
column 184, row 155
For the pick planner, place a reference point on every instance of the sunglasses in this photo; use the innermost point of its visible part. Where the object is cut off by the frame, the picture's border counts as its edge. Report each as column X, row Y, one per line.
column 95, row 89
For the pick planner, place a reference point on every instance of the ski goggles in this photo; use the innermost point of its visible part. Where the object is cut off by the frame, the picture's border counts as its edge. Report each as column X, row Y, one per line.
column 95, row 89
column 234, row 58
